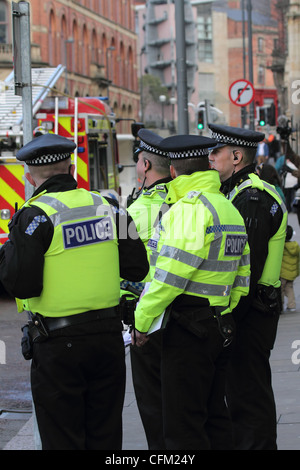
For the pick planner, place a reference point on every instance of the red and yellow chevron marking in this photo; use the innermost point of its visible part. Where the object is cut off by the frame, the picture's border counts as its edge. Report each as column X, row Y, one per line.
column 12, row 191
column 65, row 130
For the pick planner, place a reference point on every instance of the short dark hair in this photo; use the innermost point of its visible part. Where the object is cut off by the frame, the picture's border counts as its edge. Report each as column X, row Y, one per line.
column 249, row 153
column 187, row 166
column 161, row 164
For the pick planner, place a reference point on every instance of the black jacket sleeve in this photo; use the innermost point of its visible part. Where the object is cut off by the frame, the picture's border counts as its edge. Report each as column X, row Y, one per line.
column 262, row 216
column 22, row 256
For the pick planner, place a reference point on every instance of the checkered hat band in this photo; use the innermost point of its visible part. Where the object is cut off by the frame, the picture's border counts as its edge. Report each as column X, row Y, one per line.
column 228, row 140
column 190, row 153
column 151, row 149
column 46, row 159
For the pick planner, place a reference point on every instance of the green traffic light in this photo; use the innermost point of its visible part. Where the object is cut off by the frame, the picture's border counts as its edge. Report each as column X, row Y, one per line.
column 200, row 126
column 262, row 123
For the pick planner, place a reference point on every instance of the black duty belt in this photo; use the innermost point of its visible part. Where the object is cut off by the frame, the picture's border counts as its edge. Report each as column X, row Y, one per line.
column 53, row 324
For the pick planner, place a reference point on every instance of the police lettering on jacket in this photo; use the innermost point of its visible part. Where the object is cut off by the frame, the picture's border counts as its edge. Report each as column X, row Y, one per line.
column 79, row 234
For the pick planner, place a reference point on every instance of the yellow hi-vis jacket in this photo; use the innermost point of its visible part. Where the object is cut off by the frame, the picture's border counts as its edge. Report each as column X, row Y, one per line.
column 145, row 212
column 202, row 249
column 81, row 267
column 271, row 272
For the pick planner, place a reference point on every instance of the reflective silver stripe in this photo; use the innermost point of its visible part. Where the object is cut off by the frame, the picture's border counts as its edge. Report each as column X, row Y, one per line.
column 83, row 212
column 241, row 281
column 276, row 195
column 245, row 260
column 153, row 258
column 56, row 204
column 180, row 255
column 192, row 287
column 198, row 262
column 215, row 245
column 162, row 194
column 52, row 202
column 66, row 214
column 267, row 186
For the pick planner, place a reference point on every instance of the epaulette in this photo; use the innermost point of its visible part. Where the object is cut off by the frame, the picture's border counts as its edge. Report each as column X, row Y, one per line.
column 252, row 194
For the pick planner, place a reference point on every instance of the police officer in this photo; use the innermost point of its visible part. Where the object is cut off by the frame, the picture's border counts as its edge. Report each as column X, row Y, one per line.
column 202, row 269
column 63, row 261
column 153, row 170
column 250, row 395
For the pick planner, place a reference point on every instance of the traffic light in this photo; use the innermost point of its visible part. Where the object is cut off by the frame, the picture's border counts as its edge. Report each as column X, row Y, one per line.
column 271, row 115
column 201, row 119
column 262, row 121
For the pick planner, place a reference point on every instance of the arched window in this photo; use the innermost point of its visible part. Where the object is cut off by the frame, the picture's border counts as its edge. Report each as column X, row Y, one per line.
column 85, row 52
column 130, row 84
column 94, row 57
column 3, row 23
column 122, row 68
column 51, row 40
column 63, row 37
column 75, row 54
column 103, row 48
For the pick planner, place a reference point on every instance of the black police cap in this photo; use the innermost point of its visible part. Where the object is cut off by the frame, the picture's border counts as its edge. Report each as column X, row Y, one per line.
column 187, row 146
column 150, row 142
column 45, row 150
column 227, row 135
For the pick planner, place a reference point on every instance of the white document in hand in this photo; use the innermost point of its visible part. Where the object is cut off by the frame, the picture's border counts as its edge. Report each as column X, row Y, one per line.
column 159, row 322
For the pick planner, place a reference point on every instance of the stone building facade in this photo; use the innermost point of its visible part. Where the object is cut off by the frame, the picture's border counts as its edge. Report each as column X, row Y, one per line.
column 94, row 39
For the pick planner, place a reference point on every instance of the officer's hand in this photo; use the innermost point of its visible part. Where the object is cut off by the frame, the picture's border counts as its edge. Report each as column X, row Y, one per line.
column 138, row 338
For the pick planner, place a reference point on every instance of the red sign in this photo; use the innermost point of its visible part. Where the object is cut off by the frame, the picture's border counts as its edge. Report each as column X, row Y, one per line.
column 241, row 92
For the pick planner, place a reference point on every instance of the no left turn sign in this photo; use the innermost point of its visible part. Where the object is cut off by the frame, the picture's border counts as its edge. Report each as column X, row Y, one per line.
column 241, row 92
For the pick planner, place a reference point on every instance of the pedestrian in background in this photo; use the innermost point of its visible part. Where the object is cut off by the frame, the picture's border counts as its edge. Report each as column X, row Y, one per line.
column 63, row 262
column 289, row 269
column 262, row 152
column 269, row 174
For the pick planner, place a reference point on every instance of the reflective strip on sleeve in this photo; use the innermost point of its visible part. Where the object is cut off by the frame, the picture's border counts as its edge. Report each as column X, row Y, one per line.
column 198, row 262
column 191, row 287
column 241, row 281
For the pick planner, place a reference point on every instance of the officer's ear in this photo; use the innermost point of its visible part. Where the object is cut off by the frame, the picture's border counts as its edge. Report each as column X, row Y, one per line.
column 173, row 172
column 30, row 179
column 237, row 157
column 72, row 169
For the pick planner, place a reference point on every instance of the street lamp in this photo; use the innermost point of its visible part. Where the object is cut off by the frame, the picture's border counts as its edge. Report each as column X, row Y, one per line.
column 111, row 48
column 67, row 41
column 162, row 99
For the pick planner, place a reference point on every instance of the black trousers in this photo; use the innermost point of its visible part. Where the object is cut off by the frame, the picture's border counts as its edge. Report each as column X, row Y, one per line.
column 195, row 415
column 78, row 387
column 146, row 378
column 249, row 391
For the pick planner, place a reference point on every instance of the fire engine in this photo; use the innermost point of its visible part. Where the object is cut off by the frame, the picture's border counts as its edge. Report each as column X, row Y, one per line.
column 90, row 124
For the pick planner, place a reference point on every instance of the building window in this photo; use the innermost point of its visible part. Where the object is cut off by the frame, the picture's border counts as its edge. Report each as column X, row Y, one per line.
column 206, row 87
column 261, row 75
column 260, row 44
column 3, row 23
column 204, row 32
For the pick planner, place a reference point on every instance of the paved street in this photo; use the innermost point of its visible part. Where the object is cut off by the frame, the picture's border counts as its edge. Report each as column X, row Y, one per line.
column 17, row 430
